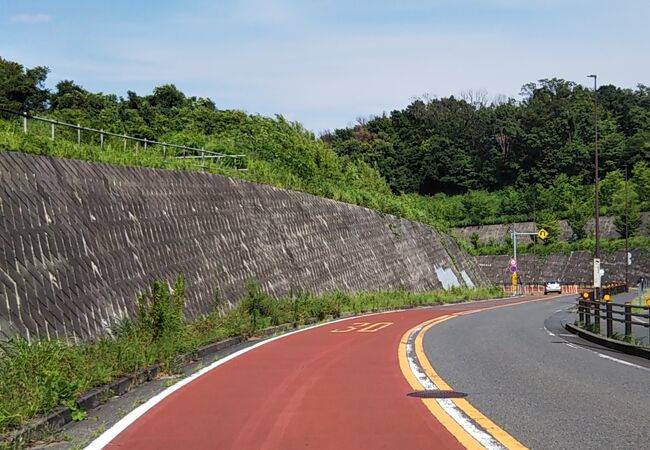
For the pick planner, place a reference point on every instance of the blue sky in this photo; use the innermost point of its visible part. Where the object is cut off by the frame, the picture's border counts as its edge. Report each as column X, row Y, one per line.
column 326, row 63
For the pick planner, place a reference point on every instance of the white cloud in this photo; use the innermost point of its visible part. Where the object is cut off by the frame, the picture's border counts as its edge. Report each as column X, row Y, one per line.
column 31, row 18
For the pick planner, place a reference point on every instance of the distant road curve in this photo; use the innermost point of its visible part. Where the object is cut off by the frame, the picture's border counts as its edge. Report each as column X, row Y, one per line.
column 547, row 388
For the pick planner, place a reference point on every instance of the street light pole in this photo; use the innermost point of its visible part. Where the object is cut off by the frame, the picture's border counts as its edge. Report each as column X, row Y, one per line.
column 596, row 182
column 627, row 232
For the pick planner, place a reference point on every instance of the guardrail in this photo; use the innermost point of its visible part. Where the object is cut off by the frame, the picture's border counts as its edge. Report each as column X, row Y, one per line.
column 589, row 308
column 186, row 153
column 538, row 288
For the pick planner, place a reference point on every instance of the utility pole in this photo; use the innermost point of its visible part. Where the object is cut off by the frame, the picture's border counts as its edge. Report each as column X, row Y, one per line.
column 627, row 232
column 597, row 280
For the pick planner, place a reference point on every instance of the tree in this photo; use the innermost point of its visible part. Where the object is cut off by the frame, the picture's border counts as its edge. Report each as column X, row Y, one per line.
column 577, row 217
column 612, row 184
column 68, row 95
column 513, row 202
column 641, row 180
column 475, row 240
column 626, row 206
column 633, row 224
column 22, row 89
column 548, row 220
column 167, row 97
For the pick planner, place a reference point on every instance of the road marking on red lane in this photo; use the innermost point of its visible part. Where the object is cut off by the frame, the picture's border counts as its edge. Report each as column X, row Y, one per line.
column 363, row 327
column 110, row 434
column 375, row 331
column 472, row 429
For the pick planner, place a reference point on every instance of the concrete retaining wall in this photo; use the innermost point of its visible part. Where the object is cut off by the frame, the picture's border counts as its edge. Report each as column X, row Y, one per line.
column 498, row 233
column 80, row 240
column 569, row 268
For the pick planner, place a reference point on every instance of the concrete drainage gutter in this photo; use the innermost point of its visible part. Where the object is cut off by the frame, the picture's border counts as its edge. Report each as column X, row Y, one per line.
column 621, row 346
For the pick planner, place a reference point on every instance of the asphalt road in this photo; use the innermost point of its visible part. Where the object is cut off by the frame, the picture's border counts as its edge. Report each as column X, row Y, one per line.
column 546, row 388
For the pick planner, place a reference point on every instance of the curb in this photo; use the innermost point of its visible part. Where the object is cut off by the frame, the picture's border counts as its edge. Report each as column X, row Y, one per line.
column 621, row 346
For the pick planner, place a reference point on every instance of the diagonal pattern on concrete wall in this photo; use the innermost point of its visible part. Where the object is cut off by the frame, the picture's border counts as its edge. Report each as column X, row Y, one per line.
column 80, row 240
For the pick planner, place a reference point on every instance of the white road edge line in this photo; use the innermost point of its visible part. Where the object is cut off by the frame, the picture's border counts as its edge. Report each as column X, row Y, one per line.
column 611, row 358
column 110, row 434
column 485, row 439
column 620, row 361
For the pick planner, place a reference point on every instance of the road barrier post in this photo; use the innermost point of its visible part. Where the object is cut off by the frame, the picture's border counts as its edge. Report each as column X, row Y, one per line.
column 628, row 320
column 581, row 312
column 608, row 309
column 588, row 315
column 597, row 315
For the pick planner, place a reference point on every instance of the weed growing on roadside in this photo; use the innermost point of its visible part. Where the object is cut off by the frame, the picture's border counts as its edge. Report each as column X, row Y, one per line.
column 160, row 313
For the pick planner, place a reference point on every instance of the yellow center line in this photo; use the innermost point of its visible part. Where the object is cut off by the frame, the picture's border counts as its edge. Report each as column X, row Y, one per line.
column 432, row 405
column 465, row 406
column 470, row 411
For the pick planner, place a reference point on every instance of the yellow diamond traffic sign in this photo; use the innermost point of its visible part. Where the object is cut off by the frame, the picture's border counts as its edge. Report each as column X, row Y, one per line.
column 543, row 234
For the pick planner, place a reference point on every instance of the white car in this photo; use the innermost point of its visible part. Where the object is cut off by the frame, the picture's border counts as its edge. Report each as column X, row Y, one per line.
column 552, row 286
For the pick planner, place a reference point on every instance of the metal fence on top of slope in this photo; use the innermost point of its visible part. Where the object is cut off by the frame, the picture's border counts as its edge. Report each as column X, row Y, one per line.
column 80, row 134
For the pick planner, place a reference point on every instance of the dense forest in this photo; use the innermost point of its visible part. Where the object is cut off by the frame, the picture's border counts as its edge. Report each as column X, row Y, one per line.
column 454, row 145
column 447, row 162
column 511, row 159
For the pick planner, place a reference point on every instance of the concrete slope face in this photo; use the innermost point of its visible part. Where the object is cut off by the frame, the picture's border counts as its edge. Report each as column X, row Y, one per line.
column 80, row 240
column 569, row 268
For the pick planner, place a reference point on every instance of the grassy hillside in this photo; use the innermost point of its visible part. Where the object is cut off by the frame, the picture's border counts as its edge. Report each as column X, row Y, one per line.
column 278, row 153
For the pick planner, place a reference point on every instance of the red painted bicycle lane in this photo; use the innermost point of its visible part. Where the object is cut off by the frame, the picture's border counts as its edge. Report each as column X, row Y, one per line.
column 321, row 388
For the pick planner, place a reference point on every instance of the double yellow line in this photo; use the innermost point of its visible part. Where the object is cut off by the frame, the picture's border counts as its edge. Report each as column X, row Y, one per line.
column 460, row 433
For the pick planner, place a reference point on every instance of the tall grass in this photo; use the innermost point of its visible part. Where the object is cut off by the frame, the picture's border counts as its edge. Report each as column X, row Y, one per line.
column 330, row 177
column 39, row 376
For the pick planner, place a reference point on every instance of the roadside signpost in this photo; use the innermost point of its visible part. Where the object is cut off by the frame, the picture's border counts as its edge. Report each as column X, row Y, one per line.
column 597, row 273
column 541, row 233
column 513, row 271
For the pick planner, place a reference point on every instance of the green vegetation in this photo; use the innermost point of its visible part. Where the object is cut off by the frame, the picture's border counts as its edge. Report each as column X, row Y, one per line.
column 511, row 160
column 592, row 328
column 606, row 245
column 278, row 152
column 36, row 377
column 445, row 162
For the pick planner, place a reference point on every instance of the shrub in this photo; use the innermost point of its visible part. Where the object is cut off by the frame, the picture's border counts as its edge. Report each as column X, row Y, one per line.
column 160, row 314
